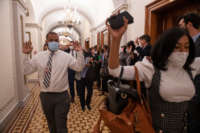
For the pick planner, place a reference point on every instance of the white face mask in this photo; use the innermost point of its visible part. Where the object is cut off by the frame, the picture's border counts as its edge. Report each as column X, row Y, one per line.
column 178, row 58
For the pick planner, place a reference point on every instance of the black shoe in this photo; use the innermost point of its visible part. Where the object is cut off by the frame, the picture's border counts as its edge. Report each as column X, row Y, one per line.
column 72, row 100
column 89, row 108
column 83, row 109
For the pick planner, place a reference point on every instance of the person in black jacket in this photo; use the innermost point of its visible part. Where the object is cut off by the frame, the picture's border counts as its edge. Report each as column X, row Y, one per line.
column 88, row 76
column 145, row 48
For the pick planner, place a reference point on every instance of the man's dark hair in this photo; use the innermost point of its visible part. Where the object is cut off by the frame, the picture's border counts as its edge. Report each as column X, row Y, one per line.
column 50, row 33
column 193, row 18
column 145, row 37
column 131, row 43
column 166, row 44
column 106, row 47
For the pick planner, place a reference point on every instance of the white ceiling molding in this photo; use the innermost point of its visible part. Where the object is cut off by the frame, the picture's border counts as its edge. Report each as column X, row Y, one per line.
column 33, row 25
column 31, row 14
column 118, row 3
column 21, row 2
column 23, row 6
column 61, row 9
column 93, row 10
column 121, row 7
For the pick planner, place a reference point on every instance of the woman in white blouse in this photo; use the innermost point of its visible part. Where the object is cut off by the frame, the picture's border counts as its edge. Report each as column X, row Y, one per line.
column 173, row 67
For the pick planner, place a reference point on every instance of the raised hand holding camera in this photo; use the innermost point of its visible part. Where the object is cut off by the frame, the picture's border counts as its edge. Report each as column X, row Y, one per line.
column 116, row 21
column 117, row 33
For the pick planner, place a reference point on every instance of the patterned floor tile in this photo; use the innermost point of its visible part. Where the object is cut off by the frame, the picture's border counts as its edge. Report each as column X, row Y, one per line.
column 32, row 120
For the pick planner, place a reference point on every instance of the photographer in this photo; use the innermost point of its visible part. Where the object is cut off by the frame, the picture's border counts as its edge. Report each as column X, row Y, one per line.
column 132, row 56
column 88, row 75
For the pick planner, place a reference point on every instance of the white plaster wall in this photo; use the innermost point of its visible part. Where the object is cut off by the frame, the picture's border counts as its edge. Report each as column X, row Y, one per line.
column 8, row 94
column 85, row 32
column 137, row 10
column 31, row 17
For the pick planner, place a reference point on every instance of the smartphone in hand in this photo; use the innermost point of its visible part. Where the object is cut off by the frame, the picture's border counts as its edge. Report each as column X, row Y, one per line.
column 117, row 21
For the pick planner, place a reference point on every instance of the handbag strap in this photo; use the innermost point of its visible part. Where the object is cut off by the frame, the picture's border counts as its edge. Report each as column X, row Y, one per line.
column 120, row 76
column 97, row 127
column 144, row 103
column 138, row 83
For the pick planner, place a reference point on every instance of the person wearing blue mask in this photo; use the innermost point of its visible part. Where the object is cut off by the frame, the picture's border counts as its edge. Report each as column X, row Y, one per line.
column 52, row 66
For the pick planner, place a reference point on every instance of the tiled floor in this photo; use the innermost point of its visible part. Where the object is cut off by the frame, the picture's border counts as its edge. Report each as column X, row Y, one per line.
column 32, row 120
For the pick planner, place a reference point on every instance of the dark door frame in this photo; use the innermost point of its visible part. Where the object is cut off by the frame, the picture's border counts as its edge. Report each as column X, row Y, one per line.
column 153, row 14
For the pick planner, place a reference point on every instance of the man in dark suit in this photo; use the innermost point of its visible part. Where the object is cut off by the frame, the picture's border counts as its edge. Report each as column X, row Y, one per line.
column 145, row 48
column 191, row 22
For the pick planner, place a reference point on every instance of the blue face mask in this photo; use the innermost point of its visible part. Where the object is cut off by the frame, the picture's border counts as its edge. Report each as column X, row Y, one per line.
column 53, row 46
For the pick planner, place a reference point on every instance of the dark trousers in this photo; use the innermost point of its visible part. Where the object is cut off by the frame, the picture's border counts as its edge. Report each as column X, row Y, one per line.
column 194, row 109
column 98, row 81
column 193, row 126
column 78, row 87
column 104, row 84
column 71, row 75
column 56, row 107
column 86, row 84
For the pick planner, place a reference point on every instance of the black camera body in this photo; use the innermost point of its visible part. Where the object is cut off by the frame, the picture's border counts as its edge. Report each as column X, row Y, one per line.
column 117, row 21
column 118, row 96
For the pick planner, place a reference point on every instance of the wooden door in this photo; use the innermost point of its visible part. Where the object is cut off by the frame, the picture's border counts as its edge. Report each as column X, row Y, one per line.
column 162, row 15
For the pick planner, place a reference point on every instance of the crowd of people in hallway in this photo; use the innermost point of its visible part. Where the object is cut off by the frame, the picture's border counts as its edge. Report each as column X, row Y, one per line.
column 170, row 70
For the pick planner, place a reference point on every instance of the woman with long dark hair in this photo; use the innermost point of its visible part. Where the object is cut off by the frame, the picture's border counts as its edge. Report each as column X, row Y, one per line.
column 169, row 76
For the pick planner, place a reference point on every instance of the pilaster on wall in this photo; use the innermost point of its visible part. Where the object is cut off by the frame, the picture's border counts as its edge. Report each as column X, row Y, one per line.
column 19, row 13
column 36, row 35
column 15, row 92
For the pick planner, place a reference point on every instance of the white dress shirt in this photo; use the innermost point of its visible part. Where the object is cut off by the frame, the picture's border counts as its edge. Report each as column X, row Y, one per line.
column 61, row 61
column 175, row 83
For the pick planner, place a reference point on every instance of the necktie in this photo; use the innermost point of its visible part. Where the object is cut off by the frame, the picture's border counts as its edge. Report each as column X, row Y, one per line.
column 47, row 74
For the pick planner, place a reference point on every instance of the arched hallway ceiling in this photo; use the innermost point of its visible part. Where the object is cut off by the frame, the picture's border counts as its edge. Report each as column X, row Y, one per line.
column 96, row 11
